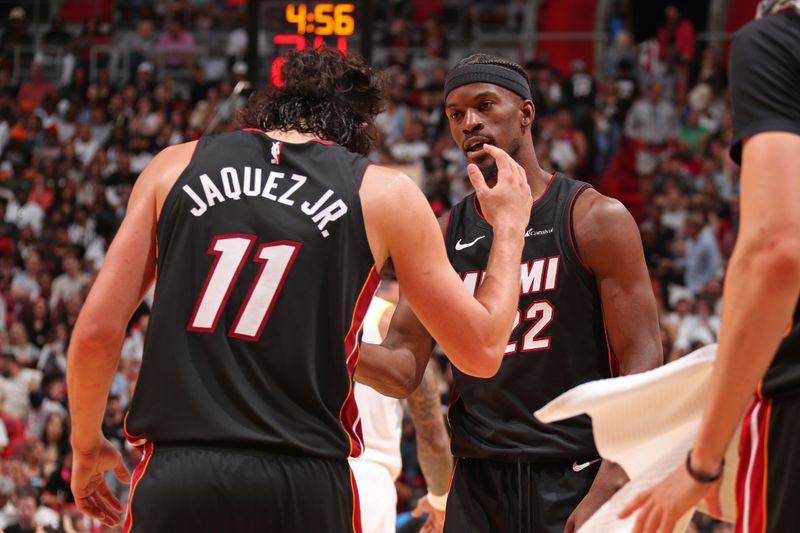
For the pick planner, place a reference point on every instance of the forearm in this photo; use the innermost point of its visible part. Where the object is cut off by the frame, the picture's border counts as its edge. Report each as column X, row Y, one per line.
column 759, row 297
column 433, row 443
column 393, row 373
column 610, row 478
column 90, row 370
column 499, row 292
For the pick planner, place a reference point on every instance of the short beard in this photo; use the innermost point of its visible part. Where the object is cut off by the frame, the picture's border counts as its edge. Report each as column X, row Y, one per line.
column 490, row 169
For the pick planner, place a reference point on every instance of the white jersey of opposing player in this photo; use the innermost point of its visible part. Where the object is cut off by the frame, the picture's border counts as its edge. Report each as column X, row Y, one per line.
column 381, row 416
column 381, row 423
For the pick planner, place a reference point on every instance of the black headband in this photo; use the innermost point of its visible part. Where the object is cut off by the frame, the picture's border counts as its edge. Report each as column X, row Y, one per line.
column 483, row 73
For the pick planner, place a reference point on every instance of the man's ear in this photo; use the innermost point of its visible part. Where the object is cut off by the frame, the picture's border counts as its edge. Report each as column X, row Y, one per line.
column 527, row 113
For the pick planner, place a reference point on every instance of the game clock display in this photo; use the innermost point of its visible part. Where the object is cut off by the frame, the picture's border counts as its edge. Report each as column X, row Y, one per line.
column 312, row 24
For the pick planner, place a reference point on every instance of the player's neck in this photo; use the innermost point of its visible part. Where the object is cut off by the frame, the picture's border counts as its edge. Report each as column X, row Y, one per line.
column 538, row 178
column 292, row 136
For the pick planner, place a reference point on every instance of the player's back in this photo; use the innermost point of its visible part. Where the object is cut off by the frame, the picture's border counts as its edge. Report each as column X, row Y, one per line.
column 264, row 276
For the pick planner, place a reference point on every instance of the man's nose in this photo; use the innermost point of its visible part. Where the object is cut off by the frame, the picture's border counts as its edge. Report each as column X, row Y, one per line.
column 472, row 122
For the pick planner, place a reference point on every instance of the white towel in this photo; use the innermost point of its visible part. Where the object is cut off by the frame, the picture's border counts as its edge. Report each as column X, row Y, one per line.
column 646, row 423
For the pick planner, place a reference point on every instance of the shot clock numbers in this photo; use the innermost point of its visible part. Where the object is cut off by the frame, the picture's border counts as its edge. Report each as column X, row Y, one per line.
column 310, row 24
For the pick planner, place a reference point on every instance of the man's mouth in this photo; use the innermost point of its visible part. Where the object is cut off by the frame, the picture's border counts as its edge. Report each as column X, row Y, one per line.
column 473, row 147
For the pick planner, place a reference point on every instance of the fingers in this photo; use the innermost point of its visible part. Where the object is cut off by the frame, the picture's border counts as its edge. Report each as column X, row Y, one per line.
column 107, row 498
column 91, row 506
column 476, row 178
column 503, row 160
column 713, row 501
column 635, row 504
column 122, row 472
column 653, row 519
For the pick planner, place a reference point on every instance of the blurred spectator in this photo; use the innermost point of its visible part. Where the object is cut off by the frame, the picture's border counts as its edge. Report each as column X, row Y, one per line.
column 142, row 44
column 24, row 284
column 675, row 37
column 411, row 148
column 26, row 511
column 15, row 385
column 608, row 121
column 8, row 513
column 84, row 142
column 434, row 40
column 24, row 351
column 89, row 37
column 653, row 124
column 623, row 49
column 568, row 146
column 56, row 35
column 702, row 260
column 69, row 284
column 236, row 45
column 579, row 94
column 176, row 45
column 16, row 35
column 693, row 134
column 37, row 88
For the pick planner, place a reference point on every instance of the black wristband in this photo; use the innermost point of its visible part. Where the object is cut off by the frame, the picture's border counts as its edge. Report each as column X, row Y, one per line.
column 703, row 477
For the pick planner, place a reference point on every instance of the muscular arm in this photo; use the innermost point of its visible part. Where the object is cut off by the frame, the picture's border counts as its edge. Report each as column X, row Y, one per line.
column 433, row 442
column 127, row 274
column 761, row 288
column 609, row 243
column 396, row 366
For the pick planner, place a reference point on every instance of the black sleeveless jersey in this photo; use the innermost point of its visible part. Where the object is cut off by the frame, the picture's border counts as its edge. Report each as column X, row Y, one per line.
column 558, row 341
column 264, row 277
column 783, row 377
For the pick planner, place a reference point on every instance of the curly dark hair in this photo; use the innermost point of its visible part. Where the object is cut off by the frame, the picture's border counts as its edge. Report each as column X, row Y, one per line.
column 325, row 93
column 488, row 59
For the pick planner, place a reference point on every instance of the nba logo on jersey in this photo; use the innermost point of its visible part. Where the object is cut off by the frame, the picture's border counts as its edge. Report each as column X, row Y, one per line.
column 276, row 153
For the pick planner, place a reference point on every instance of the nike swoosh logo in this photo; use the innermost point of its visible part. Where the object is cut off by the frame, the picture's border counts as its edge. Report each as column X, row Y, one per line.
column 460, row 246
column 578, row 467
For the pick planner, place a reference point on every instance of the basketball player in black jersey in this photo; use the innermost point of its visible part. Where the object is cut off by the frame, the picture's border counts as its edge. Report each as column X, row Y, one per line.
column 759, row 344
column 586, row 311
column 267, row 243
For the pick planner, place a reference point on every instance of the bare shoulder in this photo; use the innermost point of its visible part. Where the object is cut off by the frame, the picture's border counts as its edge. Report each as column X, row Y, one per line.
column 385, row 179
column 602, row 225
column 158, row 177
column 169, row 162
column 592, row 208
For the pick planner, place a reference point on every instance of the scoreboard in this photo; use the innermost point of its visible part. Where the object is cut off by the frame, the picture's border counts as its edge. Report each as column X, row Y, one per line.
column 306, row 25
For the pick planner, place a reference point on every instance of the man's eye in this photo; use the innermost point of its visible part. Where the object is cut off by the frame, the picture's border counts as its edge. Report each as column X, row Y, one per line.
column 455, row 115
column 485, row 106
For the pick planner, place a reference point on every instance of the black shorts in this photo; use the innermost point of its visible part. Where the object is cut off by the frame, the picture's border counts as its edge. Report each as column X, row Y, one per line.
column 768, row 484
column 510, row 497
column 192, row 489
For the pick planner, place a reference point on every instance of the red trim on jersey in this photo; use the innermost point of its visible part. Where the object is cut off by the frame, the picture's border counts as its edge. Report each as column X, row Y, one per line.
column 549, row 183
column 356, row 520
column 447, row 223
column 138, row 473
column 133, row 439
column 613, row 362
column 477, row 211
column 217, row 255
column 314, row 140
column 296, row 246
column 751, row 478
column 348, row 414
column 571, row 231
